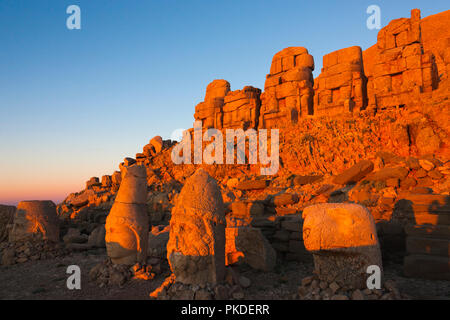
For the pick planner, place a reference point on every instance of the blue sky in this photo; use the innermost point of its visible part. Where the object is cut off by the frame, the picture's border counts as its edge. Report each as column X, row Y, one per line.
column 74, row 103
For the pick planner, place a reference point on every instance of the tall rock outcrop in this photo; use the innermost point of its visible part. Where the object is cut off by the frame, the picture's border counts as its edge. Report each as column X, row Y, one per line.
column 397, row 68
column 342, row 85
column 288, row 91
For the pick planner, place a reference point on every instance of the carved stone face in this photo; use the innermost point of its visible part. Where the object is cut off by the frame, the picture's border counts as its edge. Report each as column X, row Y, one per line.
column 121, row 243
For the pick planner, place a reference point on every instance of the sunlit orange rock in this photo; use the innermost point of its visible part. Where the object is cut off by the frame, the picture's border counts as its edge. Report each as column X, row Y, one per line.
column 436, row 39
column 288, row 91
column 196, row 247
column 342, row 85
column 344, row 242
column 127, row 223
column 157, row 143
column 35, row 219
column 241, row 109
column 210, row 111
column 223, row 108
column 398, row 68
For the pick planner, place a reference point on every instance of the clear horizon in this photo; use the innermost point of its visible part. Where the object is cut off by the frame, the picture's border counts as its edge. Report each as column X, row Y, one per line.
column 74, row 103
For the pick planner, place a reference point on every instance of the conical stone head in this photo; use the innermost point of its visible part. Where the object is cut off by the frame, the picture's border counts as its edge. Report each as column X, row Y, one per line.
column 196, row 247
column 127, row 223
column 133, row 187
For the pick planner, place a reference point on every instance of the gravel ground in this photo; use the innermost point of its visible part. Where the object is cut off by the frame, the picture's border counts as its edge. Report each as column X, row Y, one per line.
column 46, row 280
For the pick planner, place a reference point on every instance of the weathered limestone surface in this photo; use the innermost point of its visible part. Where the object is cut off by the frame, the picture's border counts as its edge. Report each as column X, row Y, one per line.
column 35, row 219
column 342, row 85
column 344, row 242
column 127, row 223
column 196, row 247
column 288, row 91
column 397, row 68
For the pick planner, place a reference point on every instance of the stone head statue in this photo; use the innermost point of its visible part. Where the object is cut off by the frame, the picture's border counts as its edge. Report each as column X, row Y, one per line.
column 127, row 223
column 35, row 219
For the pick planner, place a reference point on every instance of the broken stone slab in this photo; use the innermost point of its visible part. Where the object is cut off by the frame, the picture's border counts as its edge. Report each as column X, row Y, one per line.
column 285, row 199
column 388, row 173
column 252, row 185
column 355, row 173
column 247, row 208
column 304, row 180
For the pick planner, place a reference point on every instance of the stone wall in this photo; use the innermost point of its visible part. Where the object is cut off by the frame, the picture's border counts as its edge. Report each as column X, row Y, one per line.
column 241, row 109
column 410, row 58
column 288, row 89
column 210, row 111
column 223, row 108
column 341, row 87
column 397, row 68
